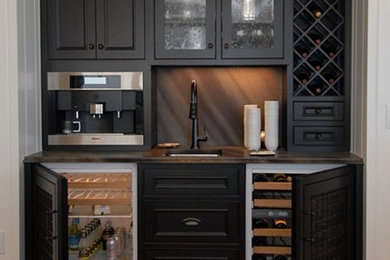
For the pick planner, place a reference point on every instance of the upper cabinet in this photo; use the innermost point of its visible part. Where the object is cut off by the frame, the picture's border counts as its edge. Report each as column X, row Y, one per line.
column 252, row 29
column 185, row 29
column 190, row 29
column 95, row 29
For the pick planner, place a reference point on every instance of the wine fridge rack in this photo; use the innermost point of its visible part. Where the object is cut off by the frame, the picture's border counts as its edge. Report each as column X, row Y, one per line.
column 319, row 48
column 271, row 216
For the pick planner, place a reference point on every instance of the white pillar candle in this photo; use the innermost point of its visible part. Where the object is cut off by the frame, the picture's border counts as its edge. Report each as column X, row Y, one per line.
column 253, row 128
column 245, row 123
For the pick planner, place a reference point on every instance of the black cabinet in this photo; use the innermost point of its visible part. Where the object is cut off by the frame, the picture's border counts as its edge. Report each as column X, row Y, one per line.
column 191, row 29
column 252, row 29
column 319, row 98
column 46, row 214
column 328, row 216
column 94, row 29
column 191, row 211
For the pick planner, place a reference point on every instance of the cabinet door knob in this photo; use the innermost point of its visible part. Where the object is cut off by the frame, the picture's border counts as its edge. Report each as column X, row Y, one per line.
column 318, row 111
column 191, row 222
column 100, row 46
column 318, row 136
column 91, row 46
column 226, row 45
column 210, row 45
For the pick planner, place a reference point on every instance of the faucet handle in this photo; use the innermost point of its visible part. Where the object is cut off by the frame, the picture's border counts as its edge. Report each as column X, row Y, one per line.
column 204, row 136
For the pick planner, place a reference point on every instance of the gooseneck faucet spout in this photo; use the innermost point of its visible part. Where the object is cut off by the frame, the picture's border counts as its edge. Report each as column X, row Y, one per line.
column 194, row 117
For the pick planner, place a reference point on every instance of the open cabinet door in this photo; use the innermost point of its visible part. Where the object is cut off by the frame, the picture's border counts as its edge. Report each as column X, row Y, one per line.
column 49, row 213
column 325, row 215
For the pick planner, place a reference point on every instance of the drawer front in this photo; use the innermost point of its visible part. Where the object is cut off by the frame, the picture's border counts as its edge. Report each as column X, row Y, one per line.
column 190, row 254
column 318, row 111
column 191, row 221
column 163, row 179
column 311, row 136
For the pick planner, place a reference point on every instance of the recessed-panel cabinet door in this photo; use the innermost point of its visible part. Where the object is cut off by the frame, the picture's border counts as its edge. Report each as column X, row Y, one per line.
column 48, row 219
column 185, row 29
column 252, row 29
column 120, row 29
column 327, row 215
column 71, row 29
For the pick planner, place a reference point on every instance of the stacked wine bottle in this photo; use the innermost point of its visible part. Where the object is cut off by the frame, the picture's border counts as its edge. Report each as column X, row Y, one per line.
column 271, row 216
column 319, row 48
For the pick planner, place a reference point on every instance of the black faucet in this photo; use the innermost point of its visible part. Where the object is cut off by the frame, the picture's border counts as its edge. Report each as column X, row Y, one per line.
column 194, row 117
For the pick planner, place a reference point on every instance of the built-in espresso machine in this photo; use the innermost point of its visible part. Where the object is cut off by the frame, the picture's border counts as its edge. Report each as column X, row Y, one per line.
column 96, row 108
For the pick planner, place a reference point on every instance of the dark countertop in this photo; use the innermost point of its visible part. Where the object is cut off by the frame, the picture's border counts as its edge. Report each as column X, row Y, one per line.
column 231, row 154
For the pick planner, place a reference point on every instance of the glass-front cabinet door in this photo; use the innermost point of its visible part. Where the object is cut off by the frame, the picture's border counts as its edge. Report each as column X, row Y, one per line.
column 252, row 29
column 185, row 29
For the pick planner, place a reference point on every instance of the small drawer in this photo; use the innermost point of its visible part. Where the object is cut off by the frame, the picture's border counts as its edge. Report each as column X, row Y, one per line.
column 199, row 180
column 191, row 221
column 318, row 111
column 191, row 254
column 333, row 136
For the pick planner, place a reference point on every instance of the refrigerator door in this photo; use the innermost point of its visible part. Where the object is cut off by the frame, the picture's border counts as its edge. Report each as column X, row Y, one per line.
column 50, row 210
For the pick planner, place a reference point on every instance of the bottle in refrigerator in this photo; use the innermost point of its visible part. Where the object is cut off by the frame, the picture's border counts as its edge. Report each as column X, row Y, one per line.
column 74, row 235
column 107, row 233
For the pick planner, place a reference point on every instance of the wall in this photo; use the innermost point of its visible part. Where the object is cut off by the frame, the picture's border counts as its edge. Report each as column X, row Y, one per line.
column 378, row 136
column 20, row 112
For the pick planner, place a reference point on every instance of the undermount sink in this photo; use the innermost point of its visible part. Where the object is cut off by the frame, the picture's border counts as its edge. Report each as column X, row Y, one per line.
column 193, row 153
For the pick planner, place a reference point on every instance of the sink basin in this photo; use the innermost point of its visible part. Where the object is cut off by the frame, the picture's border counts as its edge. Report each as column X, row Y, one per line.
column 193, row 153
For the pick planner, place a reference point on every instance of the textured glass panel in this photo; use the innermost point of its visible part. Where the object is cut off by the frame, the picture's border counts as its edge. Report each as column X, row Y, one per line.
column 253, row 23
column 185, row 24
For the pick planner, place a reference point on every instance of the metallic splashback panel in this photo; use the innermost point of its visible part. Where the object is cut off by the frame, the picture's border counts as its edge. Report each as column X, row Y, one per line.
column 96, row 139
column 222, row 93
column 61, row 80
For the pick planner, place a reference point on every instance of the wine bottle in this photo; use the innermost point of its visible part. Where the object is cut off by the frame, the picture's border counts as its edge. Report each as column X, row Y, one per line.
column 280, row 223
column 303, row 78
column 317, row 13
column 259, row 241
column 260, row 178
column 280, row 257
column 260, row 223
column 302, row 51
column 317, row 64
column 259, row 257
column 316, row 38
column 282, row 178
column 329, row 78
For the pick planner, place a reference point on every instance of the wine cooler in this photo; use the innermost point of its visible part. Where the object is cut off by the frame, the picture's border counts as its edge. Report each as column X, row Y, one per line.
column 101, row 211
column 298, row 211
column 271, row 216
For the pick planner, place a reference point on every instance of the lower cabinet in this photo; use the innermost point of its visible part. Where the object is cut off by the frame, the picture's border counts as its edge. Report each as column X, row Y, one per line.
column 191, row 211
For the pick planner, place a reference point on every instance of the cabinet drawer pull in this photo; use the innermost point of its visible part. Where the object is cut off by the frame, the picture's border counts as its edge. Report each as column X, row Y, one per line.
column 226, row 45
column 91, row 46
column 191, row 222
column 318, row 111
column 318, row 136
column 210, row 45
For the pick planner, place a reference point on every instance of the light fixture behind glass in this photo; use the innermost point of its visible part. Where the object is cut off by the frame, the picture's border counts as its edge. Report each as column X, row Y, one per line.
column 248, row 10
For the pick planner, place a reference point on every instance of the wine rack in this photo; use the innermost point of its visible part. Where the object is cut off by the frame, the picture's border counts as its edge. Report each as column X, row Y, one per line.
column 319, row 48
column 271, row 216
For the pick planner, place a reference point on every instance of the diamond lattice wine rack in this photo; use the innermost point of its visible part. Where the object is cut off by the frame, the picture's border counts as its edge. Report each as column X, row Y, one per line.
column 319, row 51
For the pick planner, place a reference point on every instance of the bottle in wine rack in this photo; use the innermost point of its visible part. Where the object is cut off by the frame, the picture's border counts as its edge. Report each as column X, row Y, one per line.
column 330, row 78
column 303, row 78
column 317, row 13
column 259, row 241
column 280, row 257
column 282, row 178
column 280, row 223
column 260, row 178
column 316, row 89
column 260, row 223
column 259, row 257
column 317, row 64
column 302, row 51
